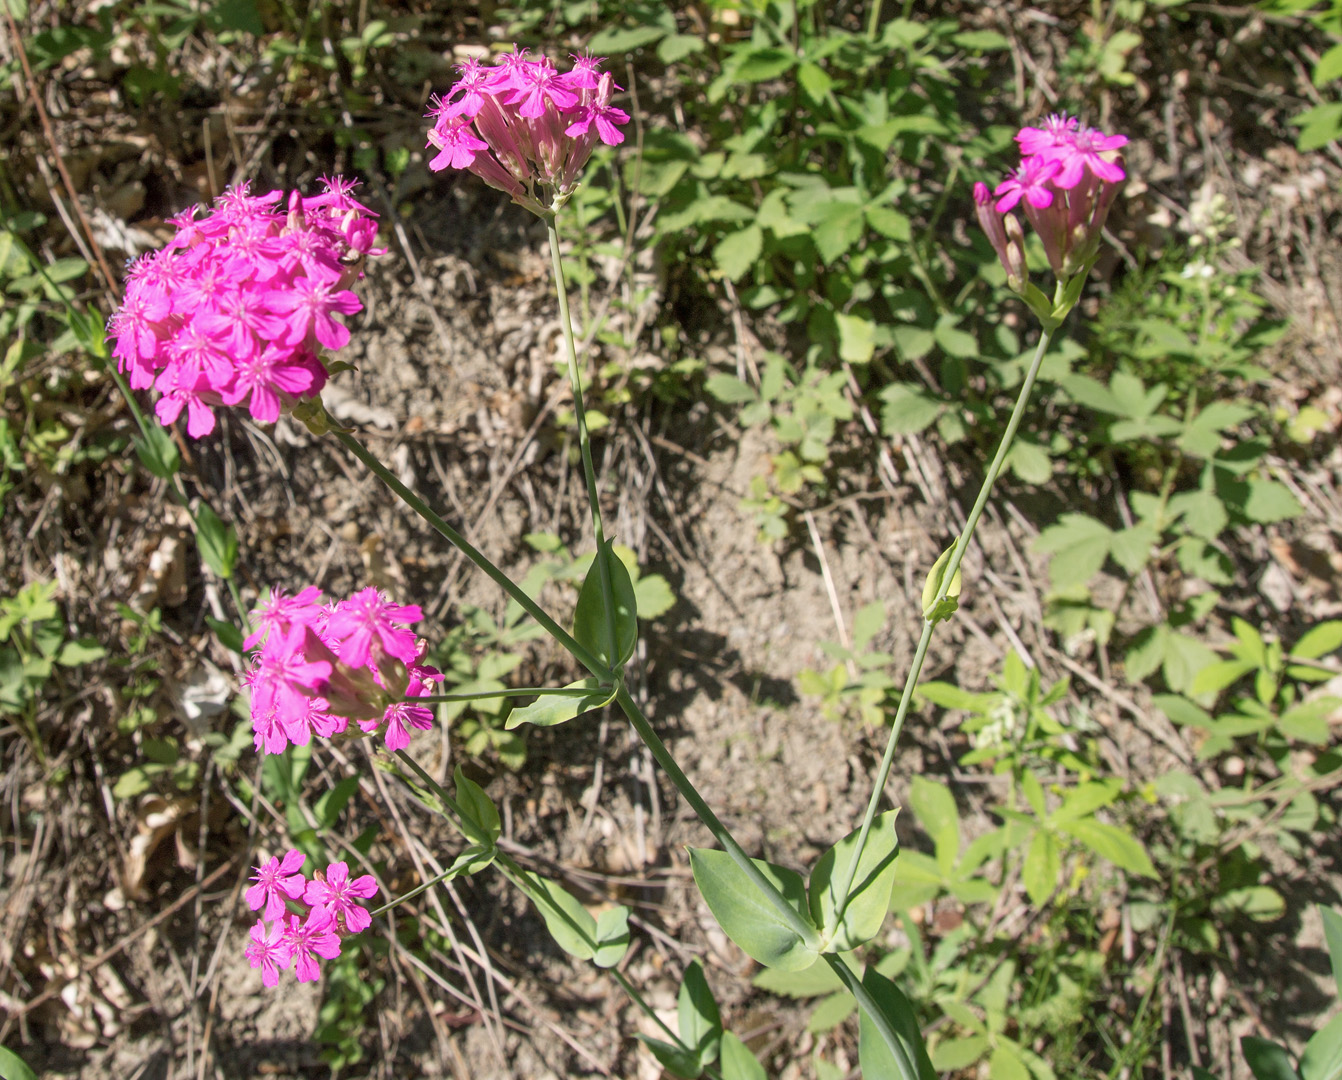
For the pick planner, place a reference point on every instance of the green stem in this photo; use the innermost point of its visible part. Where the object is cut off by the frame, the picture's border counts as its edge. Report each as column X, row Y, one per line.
column 461, row 821
column 789, row 914
column 651, row 1013
column 583, row 656
column 421, row 887
column 920, row 654
column 907, row 1068
column 510, row 692
column 584, row 439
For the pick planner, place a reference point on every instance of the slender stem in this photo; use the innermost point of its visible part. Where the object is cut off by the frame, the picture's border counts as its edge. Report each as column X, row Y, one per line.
column 584, row 439
column 583, row 656
column 421, row 887
column 510, row 692
column 790, row 915
column 875, row 1014
column 920, row 654
column 638, row 999
column 462, row 821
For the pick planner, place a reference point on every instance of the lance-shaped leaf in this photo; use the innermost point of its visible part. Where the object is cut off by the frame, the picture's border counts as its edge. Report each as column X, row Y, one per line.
column 697, row 1015
column 612, row 936
column 869, row 898
column 569, row 923
column 589, row 618
column 910, row 1060
column 749, row 917
column 549, row 710
column 478, row 808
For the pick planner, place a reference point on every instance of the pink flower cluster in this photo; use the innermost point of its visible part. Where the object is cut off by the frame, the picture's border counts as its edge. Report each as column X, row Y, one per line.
column 281, row 939
column 1065, row 184
column 322, row 667
column 525, row 128
column 236, row 308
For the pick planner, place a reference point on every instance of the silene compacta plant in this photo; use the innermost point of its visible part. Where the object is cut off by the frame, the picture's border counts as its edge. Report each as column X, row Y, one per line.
column 241, row 309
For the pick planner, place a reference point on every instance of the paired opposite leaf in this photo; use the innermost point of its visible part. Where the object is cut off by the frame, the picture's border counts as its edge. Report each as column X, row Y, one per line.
column 549, row 710
column 746, row 915
column 908, row 1060
column 869, row 899
column 612, row 645
column 478, row 808
column 697, row 1015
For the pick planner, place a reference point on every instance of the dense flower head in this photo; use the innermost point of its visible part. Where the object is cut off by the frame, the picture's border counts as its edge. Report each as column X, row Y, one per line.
column 283, row 939
column 524, row 127
column 1064, row 185
column 239, row 305
column 322, row 666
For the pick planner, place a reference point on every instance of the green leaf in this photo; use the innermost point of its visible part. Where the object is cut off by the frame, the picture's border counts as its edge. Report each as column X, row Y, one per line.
column 674, row 1059
column 1332, row 932
column 157, row 452
column 1267, row 1060
column 327, row 808
column 569, row 923
column 230, row 637
column 954, row 342
column 1322, row 1057
column 869, row 899
column 550, row 710
column 761, row 64
column 12, row 1066
column 981, row 40
column 1030, row 461
column 477, row 808
column 813, row 981
column 1006, row 1064
column 1319, row 641
column 1258, row 902
column 81, row 651
column 619, row 39
column 1269, row 501
column 1079, row 545
column 950, row 603
column 954, row 1055
column 612, row 936
column 814, row 82
column 736, row 252
column 678, row 46
column 857, row 338
column 1042, row 867
column 729, row 389
column 830, row 1012
column 908, row 409
column 1112, row 843
column 748, row 917
column 1328, row 68
column 653, row 596
column 907, row 1062
column 935, row 808
column 838, row 230
column 697, row 1015
column 738, row 1063
column 589, row 618
column 218, row 543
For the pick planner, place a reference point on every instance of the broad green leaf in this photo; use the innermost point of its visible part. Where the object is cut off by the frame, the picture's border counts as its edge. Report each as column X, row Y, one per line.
column 748, row 917
column 838, row 230
column 1328, row 68
column 1322, row 1056
column 1030, row 461
column 678, row 46
column 549, row 710
column 869, row 900
column 1216, row 677
column 1132, row 547
column 908, row 409
column 569, row 923
column 830, row 1012
column 935, row 808
column 1042, row 867
column 589, row 618
column 1266, row 1059
column 955, row 342
column 981, row 40
column 653, row 595
column 907, row 1061
column 81, row 651
column 1079, row 545
column 953, row 1055
column 736, row 252
column 477, row 807
column 612, row 936
column 230, row 637
column 697, row 1015
column 738, row 1063
column 1112, row 843
column 1006, row 1063
column 218, row 543
column 761, row 64
column 1269, row 501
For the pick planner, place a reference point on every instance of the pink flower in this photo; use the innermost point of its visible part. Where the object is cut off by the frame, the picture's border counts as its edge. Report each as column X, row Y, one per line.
column 368, row 617
column 307, row 939
column 279, row 611
column 525, row 128
column 336, row 893
column 1030, row 182
column 232, row 309
column 268, row 951
column 276, row 880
